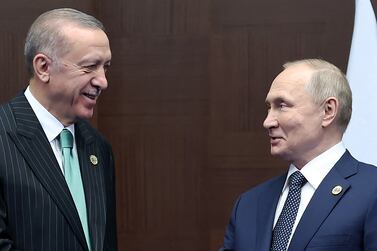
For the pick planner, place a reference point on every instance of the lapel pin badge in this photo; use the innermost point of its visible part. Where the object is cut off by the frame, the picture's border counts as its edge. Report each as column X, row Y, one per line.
column 93, row 159
column 336, row 190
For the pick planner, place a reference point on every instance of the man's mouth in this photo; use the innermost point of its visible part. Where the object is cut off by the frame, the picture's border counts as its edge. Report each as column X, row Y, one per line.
column 92, row 94
column 274, row 140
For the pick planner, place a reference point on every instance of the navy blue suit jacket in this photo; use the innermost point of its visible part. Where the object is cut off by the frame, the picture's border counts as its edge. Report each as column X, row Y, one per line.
column 344, row 222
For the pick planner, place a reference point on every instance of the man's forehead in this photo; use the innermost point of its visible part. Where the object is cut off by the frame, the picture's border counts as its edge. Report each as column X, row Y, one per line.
column 296, row 76
column 84, row 35
column 288, row 84
column 279, row 93
column 299, row 73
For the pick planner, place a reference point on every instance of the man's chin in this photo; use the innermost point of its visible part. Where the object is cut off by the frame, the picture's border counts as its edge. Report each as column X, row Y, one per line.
column 277, row 152
column 86, row 114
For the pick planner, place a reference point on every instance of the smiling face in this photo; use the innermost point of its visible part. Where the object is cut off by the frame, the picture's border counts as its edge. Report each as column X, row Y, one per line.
column 294, row 121
column 78, row 77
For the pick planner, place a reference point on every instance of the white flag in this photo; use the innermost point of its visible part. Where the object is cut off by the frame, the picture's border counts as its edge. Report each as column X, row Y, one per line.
column 361, row 135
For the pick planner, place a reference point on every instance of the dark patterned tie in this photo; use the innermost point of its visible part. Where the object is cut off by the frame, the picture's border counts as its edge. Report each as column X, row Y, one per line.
column 283, row 227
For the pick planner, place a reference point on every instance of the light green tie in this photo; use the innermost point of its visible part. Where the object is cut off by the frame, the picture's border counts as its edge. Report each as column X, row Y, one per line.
column 72, row 176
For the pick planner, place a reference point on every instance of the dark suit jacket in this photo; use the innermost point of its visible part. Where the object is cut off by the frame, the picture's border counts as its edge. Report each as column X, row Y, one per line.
column 37, row 211
column 343, row 222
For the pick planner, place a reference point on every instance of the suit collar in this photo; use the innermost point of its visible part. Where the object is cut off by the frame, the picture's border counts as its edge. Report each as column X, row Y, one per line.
column 323, row 201
column 33, row 144
column 27, row 123
column 326, row 161
column 50, row 124
column 84, row 131
column 347, row 165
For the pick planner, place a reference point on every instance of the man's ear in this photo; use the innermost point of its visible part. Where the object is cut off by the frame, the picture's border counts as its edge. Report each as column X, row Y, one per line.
column 330, row 109
column 42, row 66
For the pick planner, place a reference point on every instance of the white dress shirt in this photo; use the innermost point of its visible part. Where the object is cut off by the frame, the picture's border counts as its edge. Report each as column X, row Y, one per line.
column 51, row 126
column 314, row 172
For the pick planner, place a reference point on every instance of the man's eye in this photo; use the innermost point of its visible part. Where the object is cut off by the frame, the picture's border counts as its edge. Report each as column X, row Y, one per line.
column 89, row 68
column 282, row 105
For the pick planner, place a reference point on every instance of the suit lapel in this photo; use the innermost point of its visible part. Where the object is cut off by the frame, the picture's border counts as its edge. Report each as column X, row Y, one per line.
column 266, row 212
column 92, row 168
column 32, row 142
column 323, row 201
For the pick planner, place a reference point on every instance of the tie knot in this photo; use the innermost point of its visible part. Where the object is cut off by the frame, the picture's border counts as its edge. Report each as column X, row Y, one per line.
column 297, row 179
column 66, row 139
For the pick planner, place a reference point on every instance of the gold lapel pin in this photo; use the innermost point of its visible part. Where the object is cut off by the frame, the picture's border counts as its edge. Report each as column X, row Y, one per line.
column 336, row 190
column 93, row 159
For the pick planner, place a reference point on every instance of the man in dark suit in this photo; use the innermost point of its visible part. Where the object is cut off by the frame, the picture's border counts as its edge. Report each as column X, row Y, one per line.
column 335, row 205
column 67, row 54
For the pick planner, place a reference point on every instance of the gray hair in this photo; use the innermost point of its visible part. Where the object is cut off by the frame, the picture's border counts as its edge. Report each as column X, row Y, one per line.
column 328, row 81
column 45, row 34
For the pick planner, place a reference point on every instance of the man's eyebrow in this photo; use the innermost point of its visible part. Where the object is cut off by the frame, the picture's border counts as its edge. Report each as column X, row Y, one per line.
column 94, row 58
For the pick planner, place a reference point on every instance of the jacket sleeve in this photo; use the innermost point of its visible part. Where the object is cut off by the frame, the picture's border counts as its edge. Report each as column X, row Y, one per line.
column 370, row 226
column 111, row 226
column 6, row 242
column 229, row 238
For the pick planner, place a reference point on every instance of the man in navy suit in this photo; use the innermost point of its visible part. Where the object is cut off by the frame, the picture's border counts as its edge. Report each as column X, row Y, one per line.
column 67, row 54
column 309, row 107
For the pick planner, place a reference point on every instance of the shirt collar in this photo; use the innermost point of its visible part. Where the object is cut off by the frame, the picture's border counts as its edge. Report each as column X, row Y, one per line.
column 51, row 125
column 316, row 169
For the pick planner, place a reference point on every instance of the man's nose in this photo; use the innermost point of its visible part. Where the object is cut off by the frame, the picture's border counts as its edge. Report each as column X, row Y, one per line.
column 100, row 79
column 270, row 121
